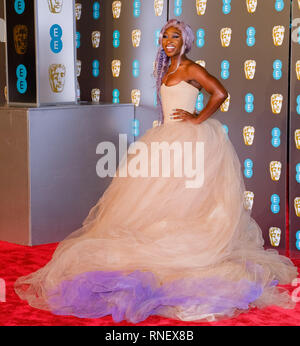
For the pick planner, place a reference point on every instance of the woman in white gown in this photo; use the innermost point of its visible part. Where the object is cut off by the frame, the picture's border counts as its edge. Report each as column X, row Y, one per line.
column 157, row 245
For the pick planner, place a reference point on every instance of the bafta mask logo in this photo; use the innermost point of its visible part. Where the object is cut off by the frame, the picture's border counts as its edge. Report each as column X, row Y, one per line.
column 297, row 138
column 5, row 93
column 248, row 134
column 201, row 63
column 225, row 35
column 57, row 73
column 297, row 206
column 116, row 9
column 96, row 35
column 20, row 33
column 135, row 97
column 225, row 105
column 156, row 123
column 136, row 37
column 298, row 69
column 276, row 103
column 275, row 235
column 249, row 68
column 78, row 9
column 278, row 35
column 251, row 5
column 275, row 170
column 248, row 199
column 201, row 7
column 158, row 7
column 55, row 6
column 95, row 94
column 116, row 68
column 78, row 68
column 299, row 4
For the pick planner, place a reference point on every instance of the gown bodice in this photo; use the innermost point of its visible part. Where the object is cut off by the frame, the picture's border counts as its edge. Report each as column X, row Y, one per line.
column 181, row 95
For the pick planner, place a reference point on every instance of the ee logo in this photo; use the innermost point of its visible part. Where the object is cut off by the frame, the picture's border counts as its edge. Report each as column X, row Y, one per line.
column 56, row 44
column 21, row 73
column 19, row 6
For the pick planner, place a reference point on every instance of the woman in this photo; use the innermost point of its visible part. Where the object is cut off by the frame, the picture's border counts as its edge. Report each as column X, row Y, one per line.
column 169, row 245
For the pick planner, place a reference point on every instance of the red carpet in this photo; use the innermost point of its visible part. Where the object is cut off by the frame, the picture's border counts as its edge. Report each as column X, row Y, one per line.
column 16, row 260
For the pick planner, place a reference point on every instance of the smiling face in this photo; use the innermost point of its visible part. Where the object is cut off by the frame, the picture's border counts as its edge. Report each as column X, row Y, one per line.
column 172, row 41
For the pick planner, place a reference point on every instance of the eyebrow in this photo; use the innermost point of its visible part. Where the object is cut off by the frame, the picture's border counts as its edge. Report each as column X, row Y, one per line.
column 174, row 32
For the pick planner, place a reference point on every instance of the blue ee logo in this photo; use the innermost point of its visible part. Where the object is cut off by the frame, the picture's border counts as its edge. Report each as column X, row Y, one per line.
column 96, row 66
column 116, row 94
column 21, row 73
column 250, row 36
column 19, row 6
column 275, row 141
column 248, row 165
column 136, row 68
column 96, row 10
column 56, row 44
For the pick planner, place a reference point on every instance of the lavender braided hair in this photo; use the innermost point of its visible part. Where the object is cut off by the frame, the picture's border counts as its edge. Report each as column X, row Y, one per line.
column 162, row 61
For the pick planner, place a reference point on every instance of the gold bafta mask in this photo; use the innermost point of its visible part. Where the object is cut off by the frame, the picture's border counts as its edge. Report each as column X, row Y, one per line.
column 96, row 35
column 248, row 134
column 297, row 206
column 135, row 97
column 78, row 9
column 95, row 94
column 275, row 170
column 298, row 69
column 278, row 35
column 249, row 68
column 297, row 138
column 57, row 73
column 20, row 33
column 225, row 105
column 116, row 68
column 5, row 93
column 201, row 7
column 276, row 103
column 251, row 5
column 274, row 234
column 299, row 4
column 158, row 7
column 248, row 199
column 136, row 37
column 55, row 6
column 201, row 63
column 156, row 123
column 225, row 35
column 78, row 68
column 116, row 9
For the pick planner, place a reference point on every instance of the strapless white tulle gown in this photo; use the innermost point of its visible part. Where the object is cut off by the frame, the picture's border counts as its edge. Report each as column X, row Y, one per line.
column 153, row 246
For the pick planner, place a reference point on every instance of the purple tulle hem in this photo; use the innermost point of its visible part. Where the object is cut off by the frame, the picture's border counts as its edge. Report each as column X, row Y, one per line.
column 134, row 297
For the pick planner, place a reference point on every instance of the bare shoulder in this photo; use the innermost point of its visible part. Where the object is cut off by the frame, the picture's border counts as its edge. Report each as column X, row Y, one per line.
column 194, row 68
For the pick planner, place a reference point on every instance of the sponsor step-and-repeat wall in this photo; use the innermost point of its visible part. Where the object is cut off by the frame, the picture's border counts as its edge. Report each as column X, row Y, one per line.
column 294, row 137
column 245, row 44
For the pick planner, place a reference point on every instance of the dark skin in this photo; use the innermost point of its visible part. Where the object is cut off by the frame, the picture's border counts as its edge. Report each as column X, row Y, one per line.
column 193, row 74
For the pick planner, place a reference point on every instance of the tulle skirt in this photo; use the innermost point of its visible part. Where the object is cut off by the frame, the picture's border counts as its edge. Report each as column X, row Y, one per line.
column 178, row 246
